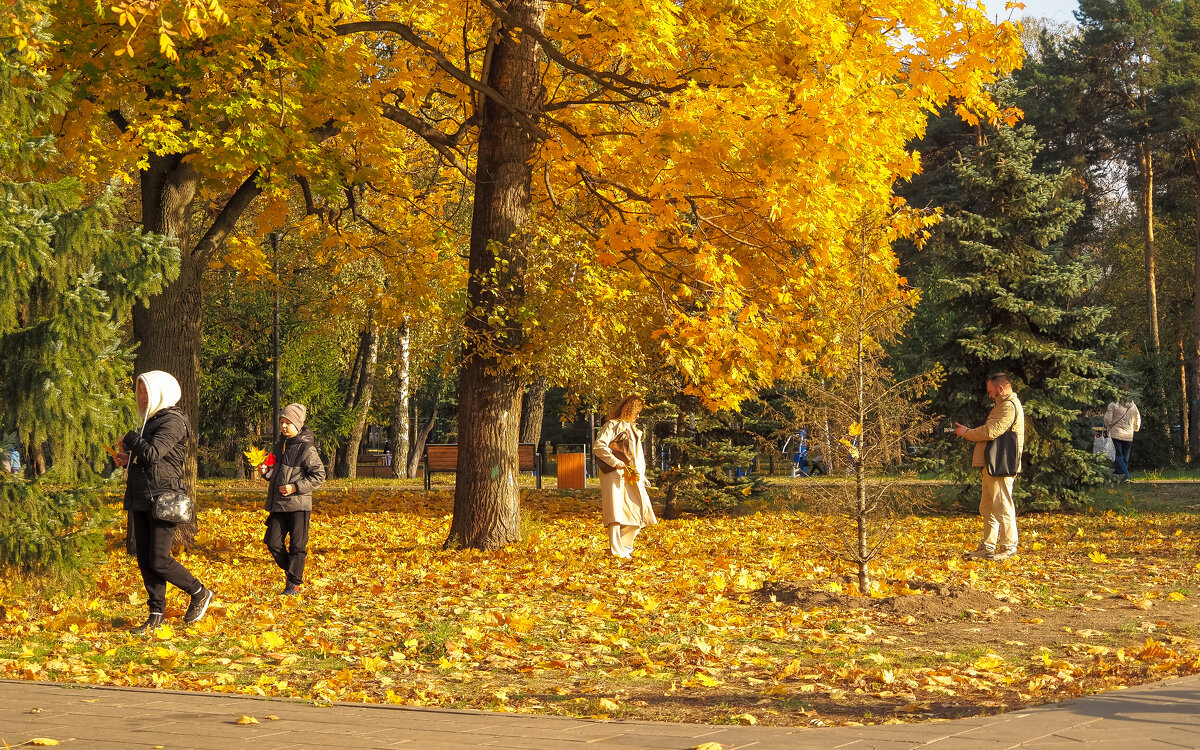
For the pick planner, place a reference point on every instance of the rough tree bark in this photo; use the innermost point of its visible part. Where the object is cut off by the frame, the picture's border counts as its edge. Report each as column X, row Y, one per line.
column 167, row 328
column 399, row 428
column 671, row 510
column 650, row 442
column 418, row 446
column 486, row 497
column 1146, row 164
column 533, row 411
column 1194, row 380
column 1146, row 201
column 364, row 386
column 1185, row 444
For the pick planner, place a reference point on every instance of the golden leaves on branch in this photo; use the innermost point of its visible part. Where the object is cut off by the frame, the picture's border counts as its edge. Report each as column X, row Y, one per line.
column 169, row 19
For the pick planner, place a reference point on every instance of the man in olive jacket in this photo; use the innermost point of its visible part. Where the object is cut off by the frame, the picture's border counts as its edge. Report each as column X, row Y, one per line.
column 296, row 473
column 999, row 541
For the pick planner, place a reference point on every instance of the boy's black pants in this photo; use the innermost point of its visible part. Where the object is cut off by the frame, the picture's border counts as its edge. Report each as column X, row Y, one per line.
column 294, row 527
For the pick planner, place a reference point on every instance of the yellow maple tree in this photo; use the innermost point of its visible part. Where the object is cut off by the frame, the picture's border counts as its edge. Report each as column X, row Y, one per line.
column 715, row 155
column 704, row 162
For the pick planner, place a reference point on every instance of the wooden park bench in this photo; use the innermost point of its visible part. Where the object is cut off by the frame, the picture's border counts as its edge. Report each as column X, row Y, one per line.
column 372, row 465
column 444, row 458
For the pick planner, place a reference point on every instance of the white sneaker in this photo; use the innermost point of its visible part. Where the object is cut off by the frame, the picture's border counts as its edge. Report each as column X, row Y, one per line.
column 1002, row 555
column 982, row 553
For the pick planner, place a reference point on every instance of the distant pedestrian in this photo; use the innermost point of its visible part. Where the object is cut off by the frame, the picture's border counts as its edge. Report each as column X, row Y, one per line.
column 155, row 456
column 816, row 460
column 999, row 441
column 296, row 472
column 1122, row 419
column 14, row 461
column 623, row 483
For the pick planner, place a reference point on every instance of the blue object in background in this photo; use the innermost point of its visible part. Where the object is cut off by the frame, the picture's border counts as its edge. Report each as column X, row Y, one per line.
column 800, row 457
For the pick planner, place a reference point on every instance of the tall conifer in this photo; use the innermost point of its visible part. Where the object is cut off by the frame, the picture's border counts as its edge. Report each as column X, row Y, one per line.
column 68, row 280
column 1002, row 295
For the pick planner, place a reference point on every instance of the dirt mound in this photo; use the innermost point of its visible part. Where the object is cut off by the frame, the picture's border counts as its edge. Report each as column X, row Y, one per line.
column 930, row 601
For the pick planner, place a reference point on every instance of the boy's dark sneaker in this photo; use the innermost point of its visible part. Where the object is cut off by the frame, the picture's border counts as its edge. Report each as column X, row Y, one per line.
column 198, row 605
column 149, row 626
column 291, row 590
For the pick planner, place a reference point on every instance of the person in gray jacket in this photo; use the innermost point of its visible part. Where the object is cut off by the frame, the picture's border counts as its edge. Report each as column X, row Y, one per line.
column 296, row 472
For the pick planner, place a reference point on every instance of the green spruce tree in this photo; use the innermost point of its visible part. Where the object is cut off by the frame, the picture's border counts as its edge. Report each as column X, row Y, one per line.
column 68, row 281
column 1002, row 295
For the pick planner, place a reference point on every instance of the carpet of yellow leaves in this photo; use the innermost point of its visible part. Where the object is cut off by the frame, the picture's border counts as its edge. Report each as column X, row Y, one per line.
column 555, row 625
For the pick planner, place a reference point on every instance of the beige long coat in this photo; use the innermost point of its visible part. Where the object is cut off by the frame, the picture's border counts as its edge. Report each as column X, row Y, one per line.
column 1122, row 420
column 623, row 501
column 1005, row 414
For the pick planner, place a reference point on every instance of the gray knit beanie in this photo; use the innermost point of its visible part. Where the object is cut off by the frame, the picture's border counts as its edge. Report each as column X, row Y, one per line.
column 294, row 413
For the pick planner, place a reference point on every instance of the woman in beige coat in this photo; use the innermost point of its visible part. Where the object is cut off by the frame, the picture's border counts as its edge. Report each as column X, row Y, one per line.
column 623, row 482
column 1122, row 419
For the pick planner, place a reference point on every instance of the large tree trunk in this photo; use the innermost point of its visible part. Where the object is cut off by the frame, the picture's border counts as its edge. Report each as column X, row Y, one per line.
column 399, row 428
column 347, row 466
column 418, row 447
column 1146, row 166
column 1146, row 163
column 1194, row 380
column 337, row 459
column 1181, row 359
column 167, row 329
column 35, row 459
column 486, row 497
column 650, row 443
column 671, row 510
column 533, row 411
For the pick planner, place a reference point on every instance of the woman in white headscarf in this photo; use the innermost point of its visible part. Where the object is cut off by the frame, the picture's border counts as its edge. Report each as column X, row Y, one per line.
column 623, row 482
column 155, row 455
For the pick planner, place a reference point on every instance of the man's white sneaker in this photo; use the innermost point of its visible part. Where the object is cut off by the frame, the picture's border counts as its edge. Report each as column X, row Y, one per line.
column 1004, row 555
column 978, row 554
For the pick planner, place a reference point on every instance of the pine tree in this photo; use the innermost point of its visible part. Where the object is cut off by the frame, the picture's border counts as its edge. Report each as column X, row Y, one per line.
column 705, row 476
column 68, row 281
column 1003, row 295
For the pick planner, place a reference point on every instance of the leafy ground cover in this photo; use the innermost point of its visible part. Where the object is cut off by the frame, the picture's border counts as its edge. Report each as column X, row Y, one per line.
column 732, row 619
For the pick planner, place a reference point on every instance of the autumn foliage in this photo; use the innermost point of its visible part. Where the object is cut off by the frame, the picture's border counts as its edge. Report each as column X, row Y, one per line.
column 555, row 625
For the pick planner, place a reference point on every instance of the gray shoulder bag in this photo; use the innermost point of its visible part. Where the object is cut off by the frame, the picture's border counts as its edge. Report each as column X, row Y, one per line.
column 1001, row 457
column 174, row 506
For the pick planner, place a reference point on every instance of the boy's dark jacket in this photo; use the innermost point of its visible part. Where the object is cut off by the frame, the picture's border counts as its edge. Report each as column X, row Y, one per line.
column 155, row 458
column 296, row 462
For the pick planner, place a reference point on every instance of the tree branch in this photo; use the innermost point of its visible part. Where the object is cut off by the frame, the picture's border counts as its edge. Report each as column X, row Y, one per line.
column 406, row 33
column 441, row 142
column 226, row 220
column 608, row 80
column 118, row 120
column 310, row 207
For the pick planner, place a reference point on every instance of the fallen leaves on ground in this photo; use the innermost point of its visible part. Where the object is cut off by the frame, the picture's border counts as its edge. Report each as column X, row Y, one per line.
column 555, row 625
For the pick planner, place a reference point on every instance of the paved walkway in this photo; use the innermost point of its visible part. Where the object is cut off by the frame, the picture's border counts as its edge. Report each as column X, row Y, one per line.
column 1161, row 715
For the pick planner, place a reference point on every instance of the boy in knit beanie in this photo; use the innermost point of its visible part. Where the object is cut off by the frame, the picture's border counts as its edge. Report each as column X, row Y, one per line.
column 295, row 472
